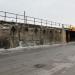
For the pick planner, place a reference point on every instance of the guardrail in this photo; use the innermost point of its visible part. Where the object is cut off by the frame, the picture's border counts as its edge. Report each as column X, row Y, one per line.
column 12, row 17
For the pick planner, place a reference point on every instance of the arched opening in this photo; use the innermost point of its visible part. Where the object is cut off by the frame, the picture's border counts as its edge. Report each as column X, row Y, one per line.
column 70, row 36
column 4, row 43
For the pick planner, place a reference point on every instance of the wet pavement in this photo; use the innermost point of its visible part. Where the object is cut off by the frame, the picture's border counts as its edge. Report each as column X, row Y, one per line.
column 58, row 60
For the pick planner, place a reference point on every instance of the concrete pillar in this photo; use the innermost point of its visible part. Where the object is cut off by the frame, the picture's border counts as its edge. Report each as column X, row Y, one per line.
column 68, row 36
column 54, row 35
column 63, row 35
column 12, row 43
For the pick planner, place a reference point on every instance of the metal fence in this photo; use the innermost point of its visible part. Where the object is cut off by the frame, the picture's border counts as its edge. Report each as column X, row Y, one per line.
column 12, row 17
column 44, row 36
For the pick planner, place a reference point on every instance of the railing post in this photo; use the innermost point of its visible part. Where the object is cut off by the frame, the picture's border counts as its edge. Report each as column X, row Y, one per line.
column 55, row 24
column 5, row 16
column 59, row 24
column 34, row 21
column 51, row 23
column 46, row 22
column 41, row 22
column 24, row 17
column 16, row 18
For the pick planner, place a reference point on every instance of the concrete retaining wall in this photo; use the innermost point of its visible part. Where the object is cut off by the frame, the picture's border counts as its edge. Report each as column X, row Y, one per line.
column 29, row 35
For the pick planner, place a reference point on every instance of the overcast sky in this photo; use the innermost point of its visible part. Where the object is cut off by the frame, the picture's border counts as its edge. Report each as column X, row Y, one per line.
column 62, row 11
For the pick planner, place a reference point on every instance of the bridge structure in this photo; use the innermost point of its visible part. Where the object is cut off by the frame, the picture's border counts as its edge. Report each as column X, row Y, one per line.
column 16, row 29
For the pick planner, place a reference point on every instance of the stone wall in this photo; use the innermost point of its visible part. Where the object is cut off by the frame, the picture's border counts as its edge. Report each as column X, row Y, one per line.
column 29, row 35
column 4, row 38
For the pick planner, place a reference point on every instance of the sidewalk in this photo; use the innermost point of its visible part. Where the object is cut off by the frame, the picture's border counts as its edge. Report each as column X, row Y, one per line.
column 17, row 49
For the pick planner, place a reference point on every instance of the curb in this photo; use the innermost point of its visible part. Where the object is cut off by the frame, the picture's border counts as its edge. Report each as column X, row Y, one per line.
column 17, row 49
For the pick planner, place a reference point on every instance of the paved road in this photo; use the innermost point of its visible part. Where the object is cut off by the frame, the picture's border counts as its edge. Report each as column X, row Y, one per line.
column 41, row 61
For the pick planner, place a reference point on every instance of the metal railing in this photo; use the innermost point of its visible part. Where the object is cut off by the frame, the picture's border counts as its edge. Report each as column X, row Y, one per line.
column 12, row 17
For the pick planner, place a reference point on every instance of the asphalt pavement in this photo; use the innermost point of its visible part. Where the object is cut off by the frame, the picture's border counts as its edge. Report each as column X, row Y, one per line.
column 58, row 60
